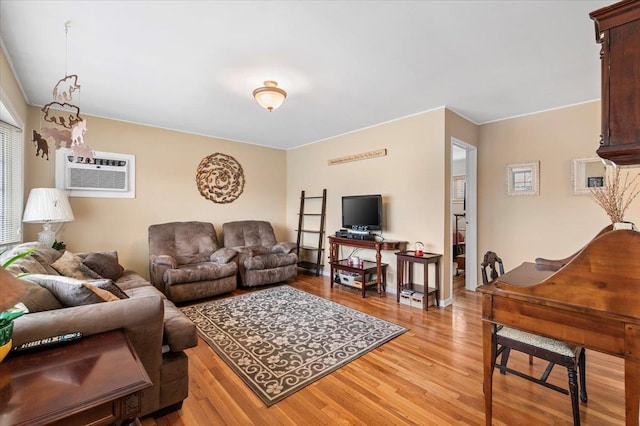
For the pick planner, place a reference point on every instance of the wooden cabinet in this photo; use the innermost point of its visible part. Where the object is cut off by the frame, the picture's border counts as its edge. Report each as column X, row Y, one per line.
column 618, row 31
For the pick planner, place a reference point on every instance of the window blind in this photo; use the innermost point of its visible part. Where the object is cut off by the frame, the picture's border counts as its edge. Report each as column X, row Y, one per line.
column 458, row 188
column 11, row 184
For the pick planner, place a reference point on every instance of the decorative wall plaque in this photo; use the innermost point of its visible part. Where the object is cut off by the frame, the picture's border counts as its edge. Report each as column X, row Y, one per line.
column 220, row 178
column 357, row 157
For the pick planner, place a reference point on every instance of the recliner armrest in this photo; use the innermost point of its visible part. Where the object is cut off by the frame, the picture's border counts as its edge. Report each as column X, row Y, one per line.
column 164, row 259
column 223, row 255
column 284, row 247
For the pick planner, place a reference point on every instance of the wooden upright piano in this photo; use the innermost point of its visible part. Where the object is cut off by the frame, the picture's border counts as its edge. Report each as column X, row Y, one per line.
column 591, row 299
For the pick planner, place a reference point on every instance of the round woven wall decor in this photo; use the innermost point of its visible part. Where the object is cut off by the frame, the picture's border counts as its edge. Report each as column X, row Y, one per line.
column 220, row 178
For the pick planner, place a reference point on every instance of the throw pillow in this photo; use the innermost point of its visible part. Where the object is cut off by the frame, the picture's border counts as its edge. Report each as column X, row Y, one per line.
column 110, row 286
column 39, row 298
column 72, row 292
column 69, row 266
column 104, row 265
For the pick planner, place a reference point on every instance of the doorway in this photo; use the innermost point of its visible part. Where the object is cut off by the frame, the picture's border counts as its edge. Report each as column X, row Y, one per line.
column 464, row 215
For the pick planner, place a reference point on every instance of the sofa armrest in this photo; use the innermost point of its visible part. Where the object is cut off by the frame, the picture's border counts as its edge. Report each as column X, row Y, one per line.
column 223, row 255
column 158, row 264
column 141, row 319
column 284, row 247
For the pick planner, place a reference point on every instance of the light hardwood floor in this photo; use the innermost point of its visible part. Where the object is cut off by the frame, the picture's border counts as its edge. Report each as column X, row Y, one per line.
column 431, row 375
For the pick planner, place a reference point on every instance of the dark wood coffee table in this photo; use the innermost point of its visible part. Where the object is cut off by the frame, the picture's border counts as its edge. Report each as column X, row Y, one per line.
column 96, row 380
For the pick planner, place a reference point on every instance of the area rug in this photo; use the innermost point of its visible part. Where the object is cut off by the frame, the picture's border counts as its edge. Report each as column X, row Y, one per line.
column 281, row 339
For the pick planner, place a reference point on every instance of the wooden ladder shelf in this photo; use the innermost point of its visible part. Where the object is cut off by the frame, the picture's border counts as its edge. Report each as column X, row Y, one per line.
column 311, row 224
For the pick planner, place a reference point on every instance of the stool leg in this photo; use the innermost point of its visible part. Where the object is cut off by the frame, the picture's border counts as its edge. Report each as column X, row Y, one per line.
column 583, row 376
column 573, row 389
column 504, row 359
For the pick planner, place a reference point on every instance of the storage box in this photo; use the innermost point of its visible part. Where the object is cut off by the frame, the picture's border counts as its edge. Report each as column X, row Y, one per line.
column 405, row 297
column 417, row 300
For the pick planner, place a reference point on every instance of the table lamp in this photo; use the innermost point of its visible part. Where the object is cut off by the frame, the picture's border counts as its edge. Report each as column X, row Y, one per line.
column 47, row 206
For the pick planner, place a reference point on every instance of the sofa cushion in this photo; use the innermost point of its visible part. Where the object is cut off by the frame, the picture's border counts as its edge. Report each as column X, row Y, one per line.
column 38, row 262
column 110, row 286
column 205, row 271
column 131, row 279
column 39, row 298
column 248, row 233
column 27, row 265
column 179, row 332
column 142, row 291
column 70, row 291
column 269, row 261
column 69, row 265
column 104, row 265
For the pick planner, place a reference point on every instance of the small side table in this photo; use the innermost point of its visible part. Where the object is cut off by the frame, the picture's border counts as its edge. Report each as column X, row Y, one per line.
column 405, row 261
column 97, row 380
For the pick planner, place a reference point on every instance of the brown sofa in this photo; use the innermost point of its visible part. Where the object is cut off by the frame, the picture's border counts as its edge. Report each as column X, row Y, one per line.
column 261, row 259
column 185, row 262
column 158, row 330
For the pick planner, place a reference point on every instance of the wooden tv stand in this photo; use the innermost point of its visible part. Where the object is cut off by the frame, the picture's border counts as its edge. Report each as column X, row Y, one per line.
column 336, row 242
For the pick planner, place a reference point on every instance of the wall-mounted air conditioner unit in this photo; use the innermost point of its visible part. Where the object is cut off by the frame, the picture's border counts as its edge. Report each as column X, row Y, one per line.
column 106, row 175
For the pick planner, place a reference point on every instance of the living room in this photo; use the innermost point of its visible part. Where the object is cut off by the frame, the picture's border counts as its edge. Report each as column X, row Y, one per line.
column 414, row 178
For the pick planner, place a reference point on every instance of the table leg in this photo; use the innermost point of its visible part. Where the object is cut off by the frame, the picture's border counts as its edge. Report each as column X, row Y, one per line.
column 384, row 278
column 631, row 376
column 364, row 286
column 399, row 277
column 378, row 269
column 425, row 300
column 410, row 274
column 438, row 282
column 332, row 258
column 487, row 359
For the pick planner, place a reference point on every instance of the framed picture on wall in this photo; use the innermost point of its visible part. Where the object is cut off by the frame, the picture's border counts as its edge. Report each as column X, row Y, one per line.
column 595, row 181
column 523, row 179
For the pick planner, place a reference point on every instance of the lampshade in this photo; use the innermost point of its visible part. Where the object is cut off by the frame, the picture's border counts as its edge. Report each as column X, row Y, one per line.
column 270, row 96
column 47, row 206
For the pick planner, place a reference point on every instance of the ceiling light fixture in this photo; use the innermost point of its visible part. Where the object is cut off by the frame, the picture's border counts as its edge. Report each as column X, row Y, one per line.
column 270, row 96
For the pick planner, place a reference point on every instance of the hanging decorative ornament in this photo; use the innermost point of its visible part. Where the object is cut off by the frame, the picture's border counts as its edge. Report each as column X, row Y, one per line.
column 41, row 144
column 67, row 127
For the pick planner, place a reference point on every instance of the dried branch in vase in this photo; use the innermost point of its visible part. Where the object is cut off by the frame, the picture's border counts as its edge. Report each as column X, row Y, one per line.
column 616, row 196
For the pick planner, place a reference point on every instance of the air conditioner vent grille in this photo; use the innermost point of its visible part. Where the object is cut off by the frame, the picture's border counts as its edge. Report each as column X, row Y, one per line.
column 105, row 175
column 97, row 179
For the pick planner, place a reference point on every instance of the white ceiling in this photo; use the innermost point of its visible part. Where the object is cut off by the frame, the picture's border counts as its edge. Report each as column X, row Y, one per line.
column 346, row 65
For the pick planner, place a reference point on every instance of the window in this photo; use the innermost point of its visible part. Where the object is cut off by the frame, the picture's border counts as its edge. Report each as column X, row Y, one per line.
column 11, row 184
column 458, row 188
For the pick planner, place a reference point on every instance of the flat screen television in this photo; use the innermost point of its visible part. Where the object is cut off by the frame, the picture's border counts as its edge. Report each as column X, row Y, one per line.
column 362, row 213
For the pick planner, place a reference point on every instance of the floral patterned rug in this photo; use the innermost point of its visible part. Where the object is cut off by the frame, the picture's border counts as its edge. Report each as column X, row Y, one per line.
column 281, row 339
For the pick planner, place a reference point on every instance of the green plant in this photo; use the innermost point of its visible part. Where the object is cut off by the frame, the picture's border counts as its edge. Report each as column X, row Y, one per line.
column 59, row 245
column 19, row 256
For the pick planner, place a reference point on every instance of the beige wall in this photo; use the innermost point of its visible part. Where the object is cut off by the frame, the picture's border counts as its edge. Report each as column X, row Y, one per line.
column 411, row 179
column 556, row 223
column 166, row 163
column 456, row 127
column 10, row 92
